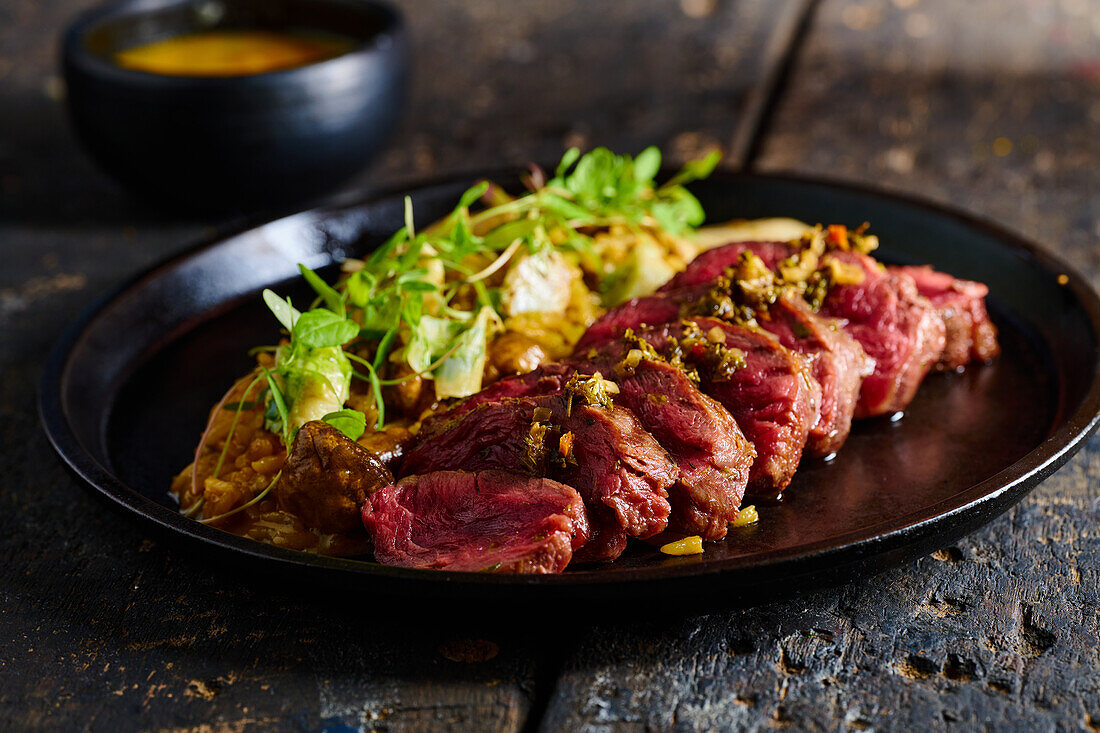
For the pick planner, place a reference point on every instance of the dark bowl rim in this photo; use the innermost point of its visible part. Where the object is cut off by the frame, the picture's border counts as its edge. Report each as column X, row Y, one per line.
column 75, row 54
column 1072, row 427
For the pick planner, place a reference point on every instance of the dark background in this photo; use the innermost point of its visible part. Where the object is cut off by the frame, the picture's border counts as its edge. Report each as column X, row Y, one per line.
column 990, row 105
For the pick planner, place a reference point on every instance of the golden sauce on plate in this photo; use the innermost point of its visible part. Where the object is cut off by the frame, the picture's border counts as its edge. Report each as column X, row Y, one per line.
column 231, row 53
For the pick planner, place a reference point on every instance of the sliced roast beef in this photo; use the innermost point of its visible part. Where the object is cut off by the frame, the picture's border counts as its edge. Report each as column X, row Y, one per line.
column 710, row 265
column 634, row 314
column 490, row 521
column 897, row 327
column 765, row 386
column 837, row 362
column 713, row 456
column 542, row 380
column 701, row 437
column 970, row 334
column 620, row 470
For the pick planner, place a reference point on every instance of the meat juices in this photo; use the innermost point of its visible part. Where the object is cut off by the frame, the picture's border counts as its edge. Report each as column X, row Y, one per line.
column 490, row 521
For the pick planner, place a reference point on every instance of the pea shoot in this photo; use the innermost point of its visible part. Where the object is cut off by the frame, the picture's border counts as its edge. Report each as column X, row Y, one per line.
column 424, row 298
column 426, row 304
column 427, row 300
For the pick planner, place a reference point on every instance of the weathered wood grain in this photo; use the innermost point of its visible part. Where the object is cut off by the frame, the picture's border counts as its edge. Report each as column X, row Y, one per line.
column 103, row 627
column 990, row 106
column 507, row 83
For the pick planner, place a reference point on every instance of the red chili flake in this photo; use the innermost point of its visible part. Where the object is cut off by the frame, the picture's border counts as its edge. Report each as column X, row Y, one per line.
column 838, row 233
column 565, row 445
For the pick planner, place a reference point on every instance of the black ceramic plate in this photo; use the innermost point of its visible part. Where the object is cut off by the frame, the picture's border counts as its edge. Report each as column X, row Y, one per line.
column 128, row 387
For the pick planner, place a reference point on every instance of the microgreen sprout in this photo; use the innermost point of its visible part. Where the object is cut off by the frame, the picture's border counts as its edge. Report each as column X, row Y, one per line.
column 412, row 296
column 251, row 502
column 428, row 301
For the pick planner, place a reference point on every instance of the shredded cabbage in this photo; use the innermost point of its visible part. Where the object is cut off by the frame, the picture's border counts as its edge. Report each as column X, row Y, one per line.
column 644, row 270
column 539, row 283
column 460, row 374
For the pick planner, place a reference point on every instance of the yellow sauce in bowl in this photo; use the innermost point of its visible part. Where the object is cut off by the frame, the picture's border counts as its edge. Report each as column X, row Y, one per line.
column 231, row 53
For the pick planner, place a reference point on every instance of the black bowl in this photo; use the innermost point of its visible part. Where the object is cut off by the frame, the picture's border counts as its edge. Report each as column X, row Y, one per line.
column 242, row 142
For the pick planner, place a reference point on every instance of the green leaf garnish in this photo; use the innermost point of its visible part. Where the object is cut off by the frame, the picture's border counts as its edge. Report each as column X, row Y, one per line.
column 695, row 170
column 280, row 407
column 320, row 328
column 431, row 299
column 351, row 423
column 647, row 164
column 333, row 300
column 472, row 194
column 567, row 160
column 283, row 310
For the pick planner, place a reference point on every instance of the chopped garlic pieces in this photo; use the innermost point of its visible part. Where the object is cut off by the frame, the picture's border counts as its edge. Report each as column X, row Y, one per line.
column 748, row 515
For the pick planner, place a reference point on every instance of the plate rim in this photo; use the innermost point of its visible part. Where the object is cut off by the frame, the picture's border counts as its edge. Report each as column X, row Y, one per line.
column 1004, row 488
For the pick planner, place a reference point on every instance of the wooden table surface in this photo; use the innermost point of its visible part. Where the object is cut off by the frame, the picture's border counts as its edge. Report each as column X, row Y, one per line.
column 990, row 105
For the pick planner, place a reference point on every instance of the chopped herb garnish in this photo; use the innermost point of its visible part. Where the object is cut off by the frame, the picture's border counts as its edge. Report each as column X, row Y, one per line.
column 427, row 293
column 534, row 448
column 709, row 350
column 593, row 389
column 637, row 342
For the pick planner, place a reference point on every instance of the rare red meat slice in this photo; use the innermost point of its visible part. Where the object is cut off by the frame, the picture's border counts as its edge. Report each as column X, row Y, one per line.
column 970, row 335
column 895, row 325
column 765, row 386
column 837, row 362
column 712, row 264
column 490, row 521
column 713, row 456
column 543, row 380
column 634, row 314
column 701, row 437
column 619, row 469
